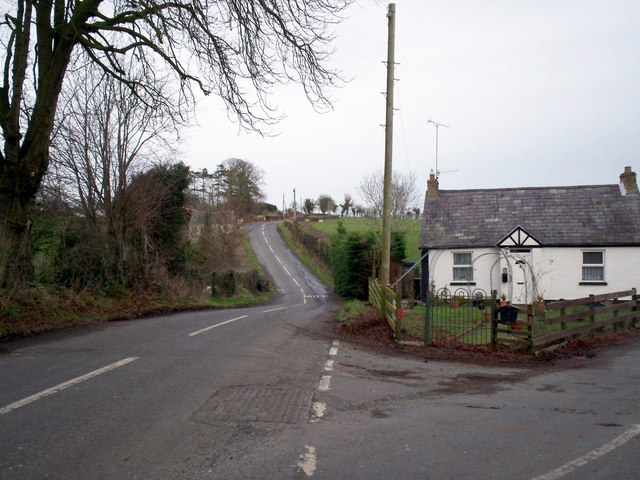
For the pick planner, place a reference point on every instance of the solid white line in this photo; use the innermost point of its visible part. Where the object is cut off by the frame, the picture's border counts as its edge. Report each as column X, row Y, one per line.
column 273, row 310
column 325, row 383
column 62, row 386
column 308, row 462
column 333, row 351
column 216, row 325
column 598, row 452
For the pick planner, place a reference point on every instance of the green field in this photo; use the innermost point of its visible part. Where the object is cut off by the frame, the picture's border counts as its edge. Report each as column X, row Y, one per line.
column 410, row 226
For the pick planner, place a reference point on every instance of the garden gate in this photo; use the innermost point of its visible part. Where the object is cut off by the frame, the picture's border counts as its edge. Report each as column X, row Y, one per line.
column 462, row 317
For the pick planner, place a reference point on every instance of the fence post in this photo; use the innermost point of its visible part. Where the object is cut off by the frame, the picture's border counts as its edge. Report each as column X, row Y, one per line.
column 634, row 297
column 592, row 307
column 428, row 301
column 530, row 349
column 494, row 321
column 398, row 313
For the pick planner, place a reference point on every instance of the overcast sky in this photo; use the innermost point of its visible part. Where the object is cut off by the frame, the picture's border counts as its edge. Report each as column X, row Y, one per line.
column 535, row 93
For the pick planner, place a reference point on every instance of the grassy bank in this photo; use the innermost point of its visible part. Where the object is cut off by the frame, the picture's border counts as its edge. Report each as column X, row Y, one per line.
column 35, row 311
column 410, row 226
column 306, row 257
column 39, row 310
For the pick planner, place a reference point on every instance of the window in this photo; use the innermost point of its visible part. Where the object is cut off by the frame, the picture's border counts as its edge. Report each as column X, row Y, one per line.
column 593, row 266
column 462, row 267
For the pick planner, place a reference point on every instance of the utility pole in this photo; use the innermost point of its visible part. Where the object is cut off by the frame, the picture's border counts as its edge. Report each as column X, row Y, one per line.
column 294, row 204
column 388, row 154
column 284, row 212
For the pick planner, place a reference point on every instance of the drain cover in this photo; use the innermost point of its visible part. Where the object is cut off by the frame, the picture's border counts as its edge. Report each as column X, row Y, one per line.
column 256, row 404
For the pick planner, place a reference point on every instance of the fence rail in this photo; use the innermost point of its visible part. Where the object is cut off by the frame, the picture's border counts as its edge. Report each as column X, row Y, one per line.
column 600, row 311
column 388, row 302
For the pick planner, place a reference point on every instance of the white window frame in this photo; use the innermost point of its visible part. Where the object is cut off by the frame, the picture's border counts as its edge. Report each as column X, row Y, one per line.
column 464, row 266
column 601, row 266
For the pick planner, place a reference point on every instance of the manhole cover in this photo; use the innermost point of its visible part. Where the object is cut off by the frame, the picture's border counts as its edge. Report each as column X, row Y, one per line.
column 256, row 404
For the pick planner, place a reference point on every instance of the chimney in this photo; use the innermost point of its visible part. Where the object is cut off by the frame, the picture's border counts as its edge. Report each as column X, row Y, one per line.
column 432, row 185
column 628, row 183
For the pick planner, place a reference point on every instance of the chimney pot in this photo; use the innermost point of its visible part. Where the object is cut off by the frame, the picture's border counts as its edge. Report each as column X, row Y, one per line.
column 432, row 186
column 628, row 182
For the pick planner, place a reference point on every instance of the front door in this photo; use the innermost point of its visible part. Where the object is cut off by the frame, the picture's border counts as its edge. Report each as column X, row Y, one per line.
column 520, row 261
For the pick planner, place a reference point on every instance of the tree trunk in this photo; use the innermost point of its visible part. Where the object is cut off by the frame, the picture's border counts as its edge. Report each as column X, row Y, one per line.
column 15, row 252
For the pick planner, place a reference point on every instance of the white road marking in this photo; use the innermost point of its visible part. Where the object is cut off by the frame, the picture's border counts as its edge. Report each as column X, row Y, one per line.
column 325, row 383
column 319, row 409
column 216, row 325
column 273, row 310
column 308, row 461
column 285, row 269
column 333, row 351
column 278, row 259
column 336, row 343
column 328, row 366
column 598, row 452
column 62, row 386
column 295, row 281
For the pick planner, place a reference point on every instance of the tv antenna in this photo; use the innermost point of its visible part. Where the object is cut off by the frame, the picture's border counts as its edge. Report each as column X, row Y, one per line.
column 437, row 125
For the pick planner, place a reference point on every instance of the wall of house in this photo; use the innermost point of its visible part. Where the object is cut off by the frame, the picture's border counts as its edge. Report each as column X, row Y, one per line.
column 560, row 271
column 486, row 271
column 552, row 273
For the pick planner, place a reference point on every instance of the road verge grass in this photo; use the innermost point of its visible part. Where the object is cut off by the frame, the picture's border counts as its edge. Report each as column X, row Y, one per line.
column 307, row 258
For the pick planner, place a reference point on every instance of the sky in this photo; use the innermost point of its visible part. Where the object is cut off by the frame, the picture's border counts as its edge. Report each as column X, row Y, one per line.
column 537, row 93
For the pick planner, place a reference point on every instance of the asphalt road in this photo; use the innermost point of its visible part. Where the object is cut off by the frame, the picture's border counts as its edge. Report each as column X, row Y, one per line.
column 269, row 393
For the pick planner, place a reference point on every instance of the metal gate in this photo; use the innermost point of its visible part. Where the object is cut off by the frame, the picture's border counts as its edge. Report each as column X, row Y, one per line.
column 459, row 317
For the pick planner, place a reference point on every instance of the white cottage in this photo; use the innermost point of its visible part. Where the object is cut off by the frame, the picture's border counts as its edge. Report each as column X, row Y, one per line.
column 533, row 243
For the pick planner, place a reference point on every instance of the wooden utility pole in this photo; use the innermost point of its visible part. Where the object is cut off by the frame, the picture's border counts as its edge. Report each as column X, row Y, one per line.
column 388, row 153
column 294, row 205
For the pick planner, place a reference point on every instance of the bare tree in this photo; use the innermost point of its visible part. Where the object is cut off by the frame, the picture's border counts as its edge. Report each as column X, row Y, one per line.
column 403, row 192
column 326, row 204
column 220, row 47
column 242, row 186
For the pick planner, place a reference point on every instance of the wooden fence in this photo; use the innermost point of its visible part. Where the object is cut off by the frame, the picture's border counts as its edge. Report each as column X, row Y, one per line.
column 599, row 311
column 388, row 303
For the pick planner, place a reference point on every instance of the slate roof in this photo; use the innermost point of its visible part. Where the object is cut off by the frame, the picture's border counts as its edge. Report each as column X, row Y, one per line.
column 595, row 215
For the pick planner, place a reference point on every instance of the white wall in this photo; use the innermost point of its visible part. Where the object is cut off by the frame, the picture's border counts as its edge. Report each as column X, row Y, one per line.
column 557, row 271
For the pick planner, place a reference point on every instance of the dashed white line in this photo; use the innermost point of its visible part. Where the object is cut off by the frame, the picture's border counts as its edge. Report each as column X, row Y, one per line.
column 62, row 386
column 328, row 366
column 295, row 281
column 325, row 383
column 319, row 409
column 598, row 452
column 336, row 343
column 333, row 351
column 216, row 325
column 308, row 462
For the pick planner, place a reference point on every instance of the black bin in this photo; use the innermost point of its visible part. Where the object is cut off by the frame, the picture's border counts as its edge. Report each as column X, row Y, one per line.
column 508, row 314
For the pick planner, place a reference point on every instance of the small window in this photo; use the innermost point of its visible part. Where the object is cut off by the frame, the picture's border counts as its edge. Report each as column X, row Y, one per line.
column 462, row 267
column 593, row 266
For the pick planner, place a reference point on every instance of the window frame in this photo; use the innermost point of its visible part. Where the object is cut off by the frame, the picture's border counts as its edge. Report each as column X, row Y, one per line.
column 463, row 266
column 601, row 266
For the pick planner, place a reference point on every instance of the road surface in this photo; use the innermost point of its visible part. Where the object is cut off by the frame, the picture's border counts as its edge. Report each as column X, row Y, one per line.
column 270, row 393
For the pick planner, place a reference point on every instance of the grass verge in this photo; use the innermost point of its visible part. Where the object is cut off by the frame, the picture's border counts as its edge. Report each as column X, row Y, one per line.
column 36, row 311
column 318, row 269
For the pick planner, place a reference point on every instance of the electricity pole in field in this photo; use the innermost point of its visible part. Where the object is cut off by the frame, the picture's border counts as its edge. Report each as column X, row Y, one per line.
column 388, row 153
